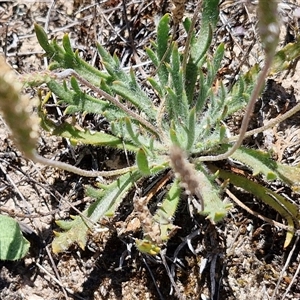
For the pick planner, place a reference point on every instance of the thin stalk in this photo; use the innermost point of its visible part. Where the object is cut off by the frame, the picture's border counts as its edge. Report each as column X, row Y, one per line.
column 270, row 124
column 70, row 72
column 85, row 173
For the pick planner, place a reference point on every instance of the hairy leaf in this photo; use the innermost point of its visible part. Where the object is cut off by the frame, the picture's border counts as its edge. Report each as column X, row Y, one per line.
column 283, row 206
column 107, row 201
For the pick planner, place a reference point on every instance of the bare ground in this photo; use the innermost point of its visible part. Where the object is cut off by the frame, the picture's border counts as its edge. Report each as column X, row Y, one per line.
column 240, row 258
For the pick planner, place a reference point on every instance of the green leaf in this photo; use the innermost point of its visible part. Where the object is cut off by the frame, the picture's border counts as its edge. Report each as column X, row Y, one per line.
column 134, row 136
column 112, row 196
column 200, row 45
column 174, row 135
column 163, row 30
column 142, row 162
column 164, row 215
column 135, row 96
column 215, row 209
column 156, row 86
column 151, row 54
column 107, row 201
column 67, row 59
column 67, row 45
column 283, row 206
column 284, row 57
column 210, row 16
column 75, row 232
column 13, row 245
column 75, row 86
column 218, row 57
column 82, row 102
column 259, row 161
column 43, row 39
column 240, row 92
column 191, row 129
column 178, row 107
column 89, row 137
column 213, row 66
column 289, row 175
column 202, row 93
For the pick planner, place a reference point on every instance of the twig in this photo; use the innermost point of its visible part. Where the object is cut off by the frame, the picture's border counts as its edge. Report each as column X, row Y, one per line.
column 13, row 213
column 15, row 187
column 296, row 273
column 64, row 166
column 258, row 215
column 177, row 291
column 56, row 271
column 284, row 270
column 58, row 282
column 270, row 124
column 185, row 241
column 153, row 279
column 134, row 51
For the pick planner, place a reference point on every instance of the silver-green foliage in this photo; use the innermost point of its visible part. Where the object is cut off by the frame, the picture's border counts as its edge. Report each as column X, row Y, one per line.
column 178, row 130
column 192, row 124
column 189, row 116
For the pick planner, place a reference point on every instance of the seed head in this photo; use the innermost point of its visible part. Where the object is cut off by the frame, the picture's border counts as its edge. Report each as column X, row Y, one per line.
column 17, row 111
